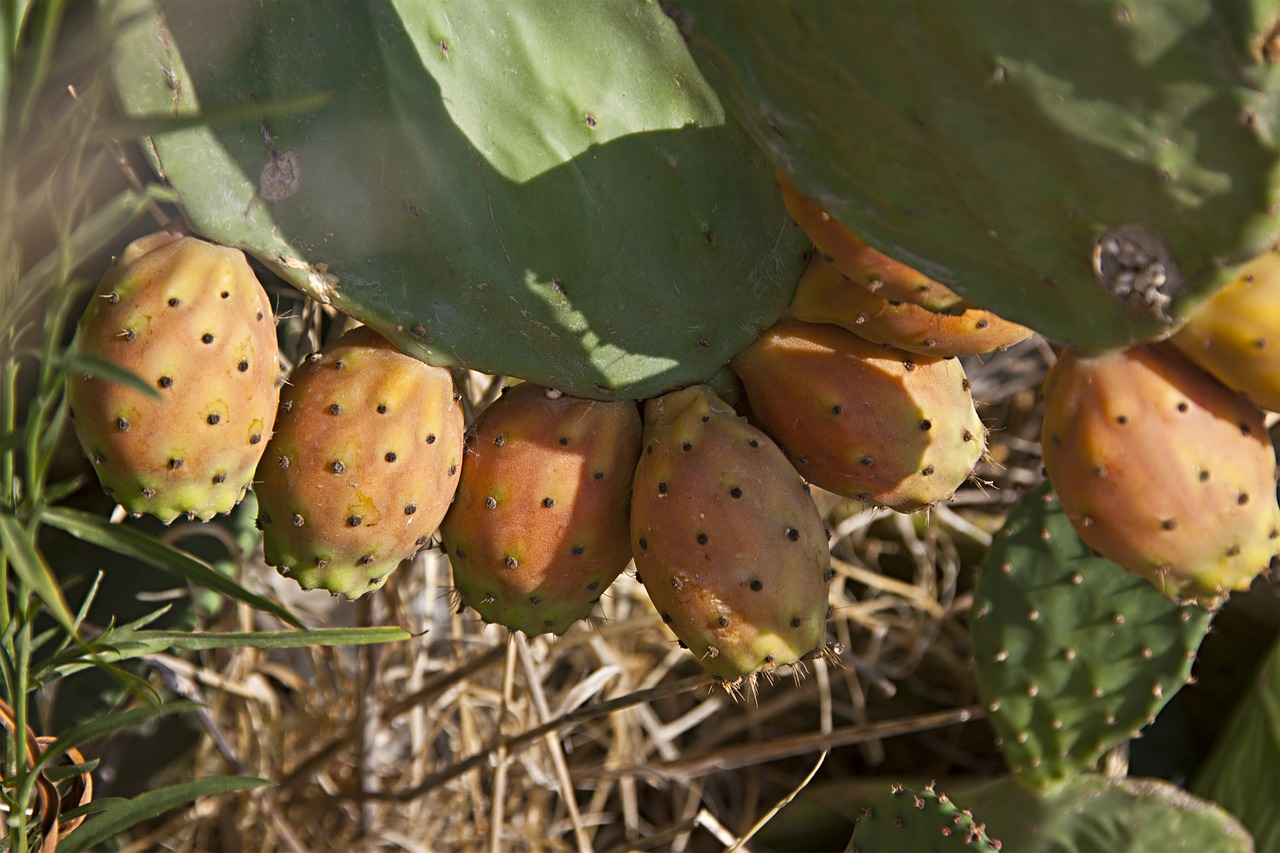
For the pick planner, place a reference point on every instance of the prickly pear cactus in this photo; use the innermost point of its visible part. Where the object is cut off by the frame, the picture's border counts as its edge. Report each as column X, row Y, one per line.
column 726, row 538
column 1090, row 170
column 826, row 295
column 538, row 530
column 363, row 466
column 919, row 820
column 1073, row 654
column 1235, row 335
column 544, row 190
column 191, row 320
column 1162, row 469
column 867, row 422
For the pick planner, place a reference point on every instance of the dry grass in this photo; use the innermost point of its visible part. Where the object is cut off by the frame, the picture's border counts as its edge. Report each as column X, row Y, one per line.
column 608, row 738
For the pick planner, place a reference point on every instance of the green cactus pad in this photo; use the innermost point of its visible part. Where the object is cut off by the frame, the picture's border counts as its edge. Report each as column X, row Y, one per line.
column 988, row 144
column 919, row 820
column 1091, row 812
column 1073, row 654
column 545, row 190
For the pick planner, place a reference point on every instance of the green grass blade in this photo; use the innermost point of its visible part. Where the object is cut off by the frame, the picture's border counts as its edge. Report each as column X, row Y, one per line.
column 119, row 816
column 33, row 570
column 79, row 735
column 132, row 543
column 103, row 369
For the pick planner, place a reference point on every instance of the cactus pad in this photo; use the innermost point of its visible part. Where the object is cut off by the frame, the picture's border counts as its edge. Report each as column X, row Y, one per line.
column 919, row 820
column 541, row 190
column 1092, row 812
column 1022, row 154
column 1073, row 654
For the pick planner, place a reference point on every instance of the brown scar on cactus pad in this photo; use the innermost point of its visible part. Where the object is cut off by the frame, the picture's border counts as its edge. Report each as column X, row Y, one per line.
column 730, row 544
column 877, row 272
column 875, row 424
column 538, row 530
column 192, row 321
column 362, row 467
column 826, row 295
column 1162, row 469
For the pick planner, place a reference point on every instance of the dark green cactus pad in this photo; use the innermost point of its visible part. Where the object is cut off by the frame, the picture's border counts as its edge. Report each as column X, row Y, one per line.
column 988, row 144
column 910, row 820
column 1091, row 812
column 540, row 189
column 1073, row 654
column 1241, row 771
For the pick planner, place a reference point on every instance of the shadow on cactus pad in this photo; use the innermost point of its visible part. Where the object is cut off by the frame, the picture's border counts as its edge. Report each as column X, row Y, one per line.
column 538, row 190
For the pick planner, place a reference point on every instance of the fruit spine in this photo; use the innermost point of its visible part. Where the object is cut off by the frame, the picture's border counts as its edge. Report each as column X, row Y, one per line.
column 190, row 320
column 363, row 466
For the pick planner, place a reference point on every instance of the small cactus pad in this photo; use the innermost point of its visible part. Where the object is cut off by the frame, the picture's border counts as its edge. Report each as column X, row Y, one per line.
column 543, row 190
column 726, row 538
column 1090, row 170
column 362, row 467
column 910, row 820
column 826, row 295
column 538, row 530
column 1073, row 654
column 1235, row 335
column 1162, row 469
column 1092, row 812
column 191, row 320
column 867, row 422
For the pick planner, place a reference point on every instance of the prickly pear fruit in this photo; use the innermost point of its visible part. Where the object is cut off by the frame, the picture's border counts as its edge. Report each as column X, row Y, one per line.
column 873, row 270
column 726, row 538
column 539, row 527
column 363, row 466
column 864, row 421
column 190, row 319
column 1162, row 469
column 1235, row 335
column 826, row 295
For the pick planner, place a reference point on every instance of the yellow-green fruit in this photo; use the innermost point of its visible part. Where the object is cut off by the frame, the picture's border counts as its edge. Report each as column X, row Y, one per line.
column 363, row 465
column 1162, row 469
column 189, row 319
column 1236, row 334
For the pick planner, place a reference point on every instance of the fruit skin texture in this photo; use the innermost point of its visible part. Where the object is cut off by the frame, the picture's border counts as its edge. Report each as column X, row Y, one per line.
column 826, row 295
column 538, row 530
column 1235, row 335
column 191, row 320
column 851, row 255
column 1162, row 469
column 363, row 466
column 864, row 421
column 726, row 538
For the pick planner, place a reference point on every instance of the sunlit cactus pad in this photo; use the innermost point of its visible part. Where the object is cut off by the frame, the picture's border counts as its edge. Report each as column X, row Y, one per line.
column 1073, row 654
column 545, row 190
column 988, row 144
